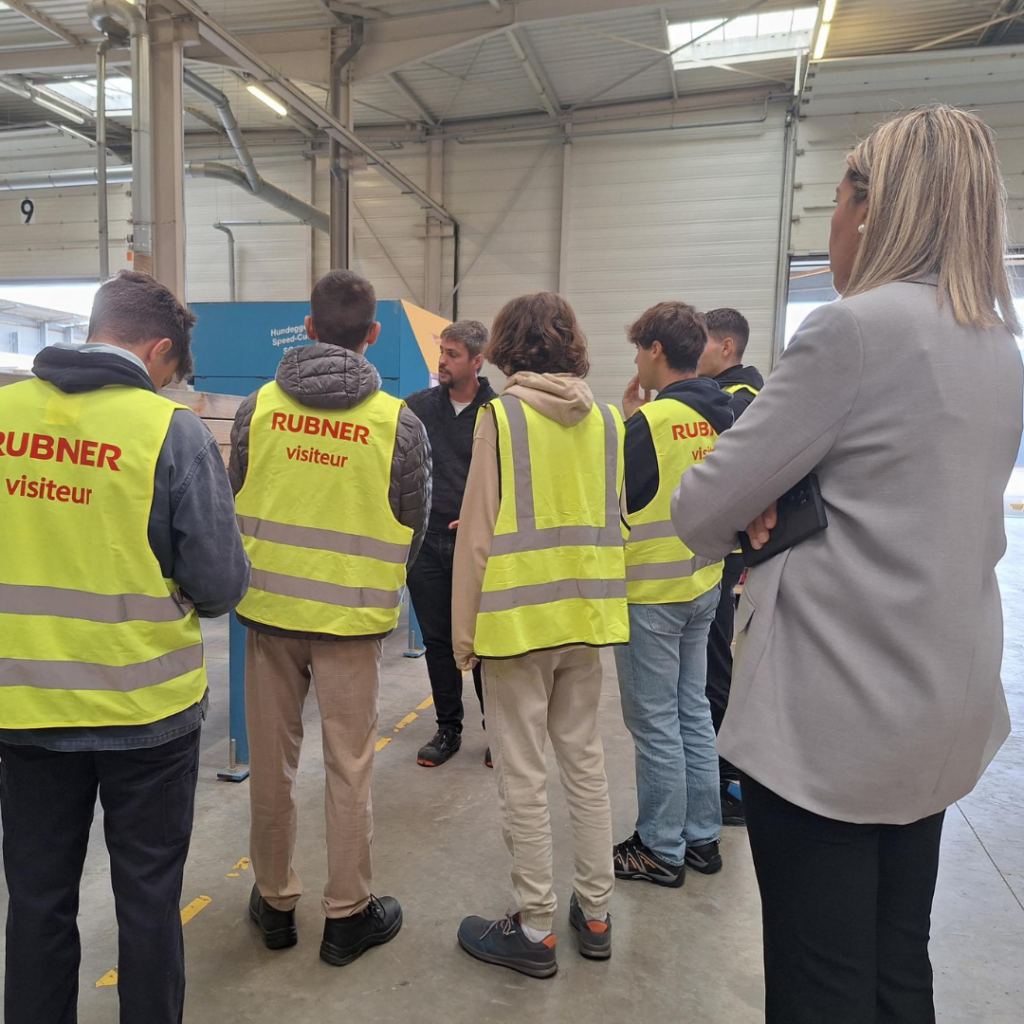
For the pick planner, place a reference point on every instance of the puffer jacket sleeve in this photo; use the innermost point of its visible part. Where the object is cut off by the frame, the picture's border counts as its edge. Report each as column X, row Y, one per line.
column 238, row 463
column 411, row 477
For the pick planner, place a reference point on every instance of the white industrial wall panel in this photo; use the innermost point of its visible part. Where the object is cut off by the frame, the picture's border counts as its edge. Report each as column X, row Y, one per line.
column 688, row 215
column 271, row 263
column 507, row 199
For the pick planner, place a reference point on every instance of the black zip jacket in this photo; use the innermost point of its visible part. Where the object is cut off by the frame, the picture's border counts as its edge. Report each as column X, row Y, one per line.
column 451, row 442
column 748, row 375
column 702, row 395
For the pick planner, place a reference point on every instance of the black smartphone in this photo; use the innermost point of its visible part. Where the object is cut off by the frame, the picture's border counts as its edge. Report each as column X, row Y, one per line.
column 801, row 512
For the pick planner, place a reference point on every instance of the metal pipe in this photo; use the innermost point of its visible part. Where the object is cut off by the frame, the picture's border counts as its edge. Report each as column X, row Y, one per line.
column 231, row 259
column 27, row 180
column 101, row 158
column 227, row 119
column 341, row 197
column 119, row 20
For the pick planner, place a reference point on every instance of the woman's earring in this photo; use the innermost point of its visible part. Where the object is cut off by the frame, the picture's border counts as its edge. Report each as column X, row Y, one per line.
column 862, row 229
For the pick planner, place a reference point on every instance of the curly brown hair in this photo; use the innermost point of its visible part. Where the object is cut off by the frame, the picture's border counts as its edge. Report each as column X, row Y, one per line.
column 538, row 333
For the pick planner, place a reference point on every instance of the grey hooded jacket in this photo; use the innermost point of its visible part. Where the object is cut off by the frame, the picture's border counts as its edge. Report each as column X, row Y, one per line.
column 328, row 377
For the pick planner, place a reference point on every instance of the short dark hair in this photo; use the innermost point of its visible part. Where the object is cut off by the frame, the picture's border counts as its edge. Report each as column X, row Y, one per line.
column 344, row 307
column 134, row 308
column 470, row 333
column 538, row 333
column 680, row 329
column 729, row 323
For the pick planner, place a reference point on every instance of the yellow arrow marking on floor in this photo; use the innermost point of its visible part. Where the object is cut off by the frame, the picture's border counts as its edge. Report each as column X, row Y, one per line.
column 199, row 904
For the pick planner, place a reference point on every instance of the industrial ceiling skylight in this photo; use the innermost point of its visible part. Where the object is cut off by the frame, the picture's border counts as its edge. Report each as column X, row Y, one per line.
column 83, row 91
column 749, row 37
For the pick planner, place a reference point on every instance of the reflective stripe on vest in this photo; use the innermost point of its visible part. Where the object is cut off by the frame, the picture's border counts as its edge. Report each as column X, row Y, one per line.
column 555, row 573
column 91, row 633
column 733, row 388
column 660, row 568
column 328, row 554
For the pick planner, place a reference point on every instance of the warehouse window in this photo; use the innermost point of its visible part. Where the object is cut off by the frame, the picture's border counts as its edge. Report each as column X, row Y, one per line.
column 763, row 36
column 83, row 92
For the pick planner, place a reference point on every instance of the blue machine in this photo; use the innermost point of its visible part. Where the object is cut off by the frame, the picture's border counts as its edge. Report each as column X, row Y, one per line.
column 237, row 346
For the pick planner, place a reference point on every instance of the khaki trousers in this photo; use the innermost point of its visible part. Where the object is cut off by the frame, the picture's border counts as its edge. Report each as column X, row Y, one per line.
column 278, row 671
column 556, row 694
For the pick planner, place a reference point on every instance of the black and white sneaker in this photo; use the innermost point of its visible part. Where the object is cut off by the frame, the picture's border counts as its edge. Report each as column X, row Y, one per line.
column 705, row 858
column 445, row 743
column 635, row 862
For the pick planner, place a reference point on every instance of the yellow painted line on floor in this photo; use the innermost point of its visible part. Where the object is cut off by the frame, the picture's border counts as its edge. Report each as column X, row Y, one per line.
column 426, row 704
column 199, row 904
column 242, row 865
column 382, row 743
column 409, row 719
column 232, row 874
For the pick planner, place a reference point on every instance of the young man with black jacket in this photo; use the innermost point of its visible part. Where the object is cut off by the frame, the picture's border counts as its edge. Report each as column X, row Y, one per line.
column 728, row 334
column 117, row 535
column 449, row 414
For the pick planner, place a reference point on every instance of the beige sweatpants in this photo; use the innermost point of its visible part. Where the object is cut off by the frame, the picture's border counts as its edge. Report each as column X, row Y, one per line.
column 278, row 671
column 556, row 694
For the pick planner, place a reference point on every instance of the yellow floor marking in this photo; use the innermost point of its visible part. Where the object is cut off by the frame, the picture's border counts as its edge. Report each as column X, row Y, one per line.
column 406, row 721
column 242, row 865
column 426, row 704
column 232, row 874
column 196, row 906
column 382, row 743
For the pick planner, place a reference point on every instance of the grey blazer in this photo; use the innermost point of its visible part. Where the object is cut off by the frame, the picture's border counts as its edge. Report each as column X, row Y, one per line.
column 866, row 686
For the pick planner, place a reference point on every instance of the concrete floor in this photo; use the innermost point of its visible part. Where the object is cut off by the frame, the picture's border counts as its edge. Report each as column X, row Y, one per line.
column 688, row 954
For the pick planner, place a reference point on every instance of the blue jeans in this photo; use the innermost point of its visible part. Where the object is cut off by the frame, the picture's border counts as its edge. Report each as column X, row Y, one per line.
column 662, row 675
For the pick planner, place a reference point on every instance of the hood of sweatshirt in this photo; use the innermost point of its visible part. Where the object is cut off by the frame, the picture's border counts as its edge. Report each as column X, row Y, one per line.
column 559, row 396
column 77, row 367
column 740, row 375
column 327, row 377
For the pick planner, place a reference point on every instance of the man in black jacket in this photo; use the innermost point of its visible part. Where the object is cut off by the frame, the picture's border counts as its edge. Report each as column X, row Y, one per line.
column 449, row 414
column 728, row 334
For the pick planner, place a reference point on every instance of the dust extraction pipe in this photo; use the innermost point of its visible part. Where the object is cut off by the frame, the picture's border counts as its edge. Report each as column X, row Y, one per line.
column 231, row 259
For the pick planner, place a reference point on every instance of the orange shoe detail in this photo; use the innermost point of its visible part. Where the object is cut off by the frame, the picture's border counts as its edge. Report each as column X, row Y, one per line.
column 549, row 942
column 598, row 927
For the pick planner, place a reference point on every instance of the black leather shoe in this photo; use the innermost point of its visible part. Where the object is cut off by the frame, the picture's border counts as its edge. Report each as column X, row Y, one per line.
column 445, row 743
column 276, row 926
column 348, row 938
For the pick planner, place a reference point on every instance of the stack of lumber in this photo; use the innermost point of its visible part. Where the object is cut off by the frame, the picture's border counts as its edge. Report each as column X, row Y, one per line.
column 216, row 411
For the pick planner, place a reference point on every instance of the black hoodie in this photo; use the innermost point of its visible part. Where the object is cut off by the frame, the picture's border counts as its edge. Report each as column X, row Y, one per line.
column 702, row 395
column 748, row 375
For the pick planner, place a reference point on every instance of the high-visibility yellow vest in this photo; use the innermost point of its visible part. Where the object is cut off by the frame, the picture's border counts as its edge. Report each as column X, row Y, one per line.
column 91, row 633
column 660, row 568
column 327, row 553
column 733, row 388
column 555, row 573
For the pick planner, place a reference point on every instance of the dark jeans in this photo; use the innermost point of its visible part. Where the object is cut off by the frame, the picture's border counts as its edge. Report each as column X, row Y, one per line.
column 430, row 586
column 846, row 911
column 48, row 799
column 720, row 655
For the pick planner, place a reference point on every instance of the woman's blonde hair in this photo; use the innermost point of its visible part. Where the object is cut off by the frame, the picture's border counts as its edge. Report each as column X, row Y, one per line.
column 936, row 206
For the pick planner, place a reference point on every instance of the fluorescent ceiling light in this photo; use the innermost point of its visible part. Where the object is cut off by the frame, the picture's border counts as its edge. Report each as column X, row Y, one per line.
column 748, row 37
column 57, row 108
column 830, row 10
column 822, row 43
column 271, row 101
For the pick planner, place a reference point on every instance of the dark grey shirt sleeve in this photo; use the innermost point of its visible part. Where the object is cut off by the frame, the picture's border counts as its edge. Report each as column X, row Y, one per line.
column 192, row 528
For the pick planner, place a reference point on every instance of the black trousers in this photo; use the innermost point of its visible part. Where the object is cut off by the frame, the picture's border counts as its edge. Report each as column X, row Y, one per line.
column 846, row 911
column 430, row 586
column 48, row 799
column 720, row 655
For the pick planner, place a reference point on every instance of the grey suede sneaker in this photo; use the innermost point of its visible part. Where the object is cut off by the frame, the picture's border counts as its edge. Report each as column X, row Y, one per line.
column 504, row 943
column 595, row 936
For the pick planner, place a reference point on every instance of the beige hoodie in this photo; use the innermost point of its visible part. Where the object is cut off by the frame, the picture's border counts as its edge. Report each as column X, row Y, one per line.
column 560, row 397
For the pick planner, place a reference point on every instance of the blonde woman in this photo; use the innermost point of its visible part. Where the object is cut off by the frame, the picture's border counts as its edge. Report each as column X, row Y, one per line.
column 866, row 696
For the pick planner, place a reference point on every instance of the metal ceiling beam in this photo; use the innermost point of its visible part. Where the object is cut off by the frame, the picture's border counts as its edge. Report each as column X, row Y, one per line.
column 663, row 14
column 979, row 27
column 523, row 50
column 44, row 22
column 298, row 101
column 409, row 93
column 52, row 60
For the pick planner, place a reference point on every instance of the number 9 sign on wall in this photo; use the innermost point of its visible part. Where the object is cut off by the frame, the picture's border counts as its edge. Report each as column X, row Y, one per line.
column 28, row 210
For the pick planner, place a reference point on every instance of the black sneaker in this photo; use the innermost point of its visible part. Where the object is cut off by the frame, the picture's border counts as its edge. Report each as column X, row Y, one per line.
column 504, row 943
column 705, row 858
column 276, row 926
column 446, row 742
column 488, row 760
column 733, row 812
column 595, row 936
column 636, row 863
column 348, row 938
